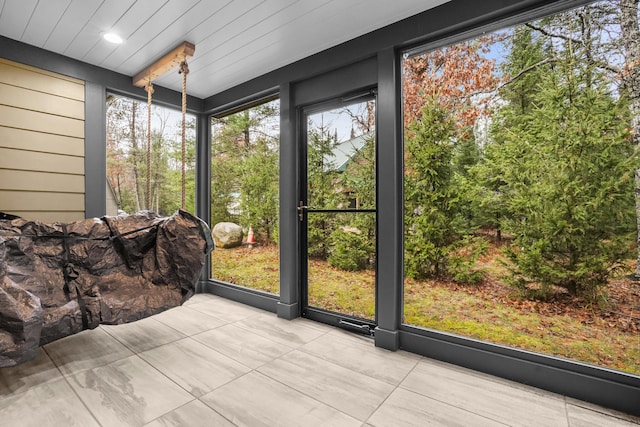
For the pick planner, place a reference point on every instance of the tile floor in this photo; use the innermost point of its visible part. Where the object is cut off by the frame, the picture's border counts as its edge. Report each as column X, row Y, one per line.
column 214, row 362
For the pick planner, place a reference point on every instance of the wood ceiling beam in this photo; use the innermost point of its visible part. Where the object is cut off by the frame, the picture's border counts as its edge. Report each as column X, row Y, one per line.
column 171, row 60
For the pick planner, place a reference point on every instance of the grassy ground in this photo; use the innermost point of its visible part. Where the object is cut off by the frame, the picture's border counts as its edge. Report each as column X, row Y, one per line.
column 472, row 315
column 255, row 268
column 492, row 312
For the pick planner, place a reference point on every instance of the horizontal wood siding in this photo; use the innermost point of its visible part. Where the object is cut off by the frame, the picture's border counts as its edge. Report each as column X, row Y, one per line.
column 36, row 121
column 38, row 80
column 23, row 139
column 39, row 161
column 41, row 144
column 46, row 216
column 36, row 200
column 43, row 181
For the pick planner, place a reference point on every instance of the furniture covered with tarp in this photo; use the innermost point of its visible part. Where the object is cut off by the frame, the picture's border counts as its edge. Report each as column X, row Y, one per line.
column 58, row 279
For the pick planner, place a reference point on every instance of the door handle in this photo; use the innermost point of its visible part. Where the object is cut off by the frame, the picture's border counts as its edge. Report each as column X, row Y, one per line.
column 301, row 209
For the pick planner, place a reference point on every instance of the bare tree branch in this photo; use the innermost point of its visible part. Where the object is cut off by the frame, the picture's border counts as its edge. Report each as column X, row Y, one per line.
column 517, row 76
column 526, row 70
column 558, row 36
column 599, row 64
column 608, row 67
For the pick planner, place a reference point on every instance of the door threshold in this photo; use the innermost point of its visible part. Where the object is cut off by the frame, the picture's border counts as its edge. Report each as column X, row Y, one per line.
column 352, row 324
column 363, row 328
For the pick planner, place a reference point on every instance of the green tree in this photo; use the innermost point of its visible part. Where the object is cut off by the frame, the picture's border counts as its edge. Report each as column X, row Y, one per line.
column 159, row 175
column 127, row 157
column 227, row 156
column 465, row 157
column 244, row 170
column 562, row 156
column 171, row 186
column 630, row 39
column 124, row 151
column 259, row 192
column 608, row 35
column 524, row 66
column 434, row 227
column 353, row 241
column 322, row 190
column 452, row 87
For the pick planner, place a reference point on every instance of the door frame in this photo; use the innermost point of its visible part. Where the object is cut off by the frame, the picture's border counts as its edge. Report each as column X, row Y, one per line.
column 355, row 324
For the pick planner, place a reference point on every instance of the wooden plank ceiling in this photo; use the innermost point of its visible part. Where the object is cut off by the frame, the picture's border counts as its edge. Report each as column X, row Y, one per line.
column 235, row 40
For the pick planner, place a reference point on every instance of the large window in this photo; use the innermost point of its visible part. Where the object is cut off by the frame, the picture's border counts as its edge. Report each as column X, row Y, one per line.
column 520, row 214
column 142, row 176
column 245, row 197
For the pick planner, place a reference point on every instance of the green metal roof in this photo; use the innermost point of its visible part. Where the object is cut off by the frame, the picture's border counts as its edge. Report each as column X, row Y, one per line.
column 345, row 151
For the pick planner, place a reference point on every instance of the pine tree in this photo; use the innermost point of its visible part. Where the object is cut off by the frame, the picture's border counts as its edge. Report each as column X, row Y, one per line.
column 322, row 190
column 244, row 170
column 353, row 241
column 522, row 71
column 562, row 156
column 446, row 91
column 259, row 191
column 433, row 225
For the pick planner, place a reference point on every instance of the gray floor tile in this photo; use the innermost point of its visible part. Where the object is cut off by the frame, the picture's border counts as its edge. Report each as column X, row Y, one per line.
column 242, row 345
column 482, row 395
column 50, row 404
column 634, row 420
column 143, row 334
column 583, row 417
column 18, row 379
column 292, row 334
column 323, row 327
column 255, row 400
column 192, row 414
column 128, row 392
column 188, row 321
column 194, row 366
column 307, row 374
column 86, row 350
column 230, row 311
column 361, row 355
column 405, row 408
column 351, row 392
column 200, row 298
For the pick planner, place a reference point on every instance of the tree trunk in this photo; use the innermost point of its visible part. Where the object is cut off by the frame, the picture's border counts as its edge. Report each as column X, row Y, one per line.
column 631, row 84
column 119, row 192
column 245, row 131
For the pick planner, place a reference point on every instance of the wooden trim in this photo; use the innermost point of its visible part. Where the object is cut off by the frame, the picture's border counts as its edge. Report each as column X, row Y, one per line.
column 164, row 64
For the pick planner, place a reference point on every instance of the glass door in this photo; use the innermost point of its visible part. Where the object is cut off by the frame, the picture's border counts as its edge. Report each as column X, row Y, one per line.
column 337, row 213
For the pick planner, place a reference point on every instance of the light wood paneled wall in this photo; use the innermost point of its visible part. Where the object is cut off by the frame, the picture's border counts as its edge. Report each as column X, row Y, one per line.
column 41, row 143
